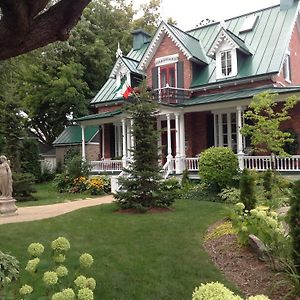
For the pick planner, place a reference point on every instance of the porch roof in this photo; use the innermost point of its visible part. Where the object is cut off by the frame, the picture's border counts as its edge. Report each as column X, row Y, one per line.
column 102, row 115
column 72, row 135
column 238, row 95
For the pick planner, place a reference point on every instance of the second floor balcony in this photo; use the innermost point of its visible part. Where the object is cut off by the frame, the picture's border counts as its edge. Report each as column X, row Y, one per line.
column 171, row 95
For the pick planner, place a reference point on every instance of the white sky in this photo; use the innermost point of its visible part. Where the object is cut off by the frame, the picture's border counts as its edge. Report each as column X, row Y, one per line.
column 188, row 13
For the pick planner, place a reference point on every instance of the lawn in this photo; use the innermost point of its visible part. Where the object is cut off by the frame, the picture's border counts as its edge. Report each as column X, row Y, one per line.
column 150, row 256
column 46, row 193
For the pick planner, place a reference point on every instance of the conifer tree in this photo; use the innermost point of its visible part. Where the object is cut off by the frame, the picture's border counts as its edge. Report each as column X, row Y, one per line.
column 140, row 189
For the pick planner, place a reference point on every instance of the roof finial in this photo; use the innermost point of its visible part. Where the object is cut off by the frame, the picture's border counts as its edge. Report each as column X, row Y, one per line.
column 119, row 51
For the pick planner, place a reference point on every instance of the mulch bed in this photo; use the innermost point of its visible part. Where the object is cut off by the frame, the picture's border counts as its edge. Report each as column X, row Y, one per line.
column 243, row 268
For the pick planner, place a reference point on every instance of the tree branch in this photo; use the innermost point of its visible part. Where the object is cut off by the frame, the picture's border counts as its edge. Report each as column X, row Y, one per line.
column 24, row 25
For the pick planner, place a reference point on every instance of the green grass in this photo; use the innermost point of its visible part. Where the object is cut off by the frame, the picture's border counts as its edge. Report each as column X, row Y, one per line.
column 143, row 257
column 46, row 193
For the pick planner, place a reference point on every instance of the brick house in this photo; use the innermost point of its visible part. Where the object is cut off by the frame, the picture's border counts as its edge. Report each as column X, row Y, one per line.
column 203, row 80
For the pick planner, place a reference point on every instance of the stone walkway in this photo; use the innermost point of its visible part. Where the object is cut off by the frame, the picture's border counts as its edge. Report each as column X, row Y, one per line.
column 33, row 213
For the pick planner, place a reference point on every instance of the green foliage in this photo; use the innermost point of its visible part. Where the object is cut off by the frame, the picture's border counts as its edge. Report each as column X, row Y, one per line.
column 230, row 195
column 23, row 186
column 266, row 116
column 76, row 167
column 267, row 183
column 247, row 188
column 200, row 192
column 263, row 223
column 9, row 269
column 291, row 147
column 294, row 222
column 185, row 180
column 213, row 291
column 58, row 281
column 218, row 166
column 141, row 188
column 169, row 192
column 30, row 158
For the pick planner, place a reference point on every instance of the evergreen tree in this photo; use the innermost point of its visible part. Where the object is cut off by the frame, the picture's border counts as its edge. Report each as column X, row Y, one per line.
column 141, row 188
column 247, row 187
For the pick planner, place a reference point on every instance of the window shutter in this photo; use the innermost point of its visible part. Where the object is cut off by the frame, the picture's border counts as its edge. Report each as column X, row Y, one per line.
column 180, row 77
column 155, row 78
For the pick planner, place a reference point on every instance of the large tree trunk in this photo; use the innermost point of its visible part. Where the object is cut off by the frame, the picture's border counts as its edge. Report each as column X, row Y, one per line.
column 26, row 25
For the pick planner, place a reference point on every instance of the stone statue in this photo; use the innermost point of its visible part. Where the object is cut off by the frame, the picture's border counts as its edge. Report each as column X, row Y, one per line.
column 5, row 178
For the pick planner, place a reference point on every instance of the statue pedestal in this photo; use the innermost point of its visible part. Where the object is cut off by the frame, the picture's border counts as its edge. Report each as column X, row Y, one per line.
column 7, row 207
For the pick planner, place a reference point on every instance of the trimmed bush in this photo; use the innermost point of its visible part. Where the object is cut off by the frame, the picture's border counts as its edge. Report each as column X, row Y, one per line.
column 218, row 166
column 23, row 186
column 247, row 187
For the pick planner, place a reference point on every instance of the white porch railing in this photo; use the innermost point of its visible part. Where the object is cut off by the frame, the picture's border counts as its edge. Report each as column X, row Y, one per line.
column 106, row 165
column 192, row 164
column 168, row 168
column 263, row 163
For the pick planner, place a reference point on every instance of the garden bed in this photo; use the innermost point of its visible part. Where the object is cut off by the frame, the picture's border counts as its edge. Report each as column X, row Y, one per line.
column 240, row 265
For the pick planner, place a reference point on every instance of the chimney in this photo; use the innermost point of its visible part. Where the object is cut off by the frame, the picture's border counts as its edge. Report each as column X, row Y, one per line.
column 286, row 4
column 140, row 37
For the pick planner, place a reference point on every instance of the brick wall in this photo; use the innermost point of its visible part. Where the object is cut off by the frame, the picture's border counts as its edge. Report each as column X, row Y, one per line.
column 195, row 133
column 295, row 60
column 167, row 47
column 91, row 151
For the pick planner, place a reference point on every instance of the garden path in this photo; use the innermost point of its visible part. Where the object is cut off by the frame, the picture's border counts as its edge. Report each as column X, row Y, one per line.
column 32, row 213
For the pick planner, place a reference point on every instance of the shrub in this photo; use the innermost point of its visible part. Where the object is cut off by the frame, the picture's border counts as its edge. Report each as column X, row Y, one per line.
column 218, row 166
column 169, row 191
column 57, row 280
column 217, row 291
column 185, row 181
column 23, row 186
column 294, row 222
column 230, row 195
column 9, row 268
column 247, row 187
column 263, row 223
column 267, row 183
column 200, row 192
column 76, row 167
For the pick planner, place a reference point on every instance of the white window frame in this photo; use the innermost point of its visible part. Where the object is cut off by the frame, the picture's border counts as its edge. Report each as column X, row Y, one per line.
column 218, row 128
column 226, row 47
column 118, row 140
column 287, row 67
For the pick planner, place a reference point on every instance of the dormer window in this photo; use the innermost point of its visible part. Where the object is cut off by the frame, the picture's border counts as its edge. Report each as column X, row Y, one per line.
column 226, row 63
column 287, row 68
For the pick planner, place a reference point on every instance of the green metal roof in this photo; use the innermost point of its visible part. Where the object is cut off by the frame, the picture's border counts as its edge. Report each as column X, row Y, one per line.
column 102, row 115
column 268, row 42
column 107, row 92
column 190, row 43
column 72, row 135
column 138, row 54
column 131, row 64
column 238, row 41
column 237, row 95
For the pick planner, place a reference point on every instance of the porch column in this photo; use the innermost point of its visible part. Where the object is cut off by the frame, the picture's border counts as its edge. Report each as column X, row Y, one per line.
column 103, row 142
column 169, row 156
column 128, row 129
column 240, row 152
column 159, row 137
column 82, row 143
column 182, row 141
column 124, row 158
column 178, row 169
column 131, row 137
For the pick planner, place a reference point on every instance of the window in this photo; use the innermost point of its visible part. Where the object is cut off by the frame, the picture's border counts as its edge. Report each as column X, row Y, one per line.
column 118, row 140
column 225, row 128
column 226, row 63
column 287, row 68
column 167, row 76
